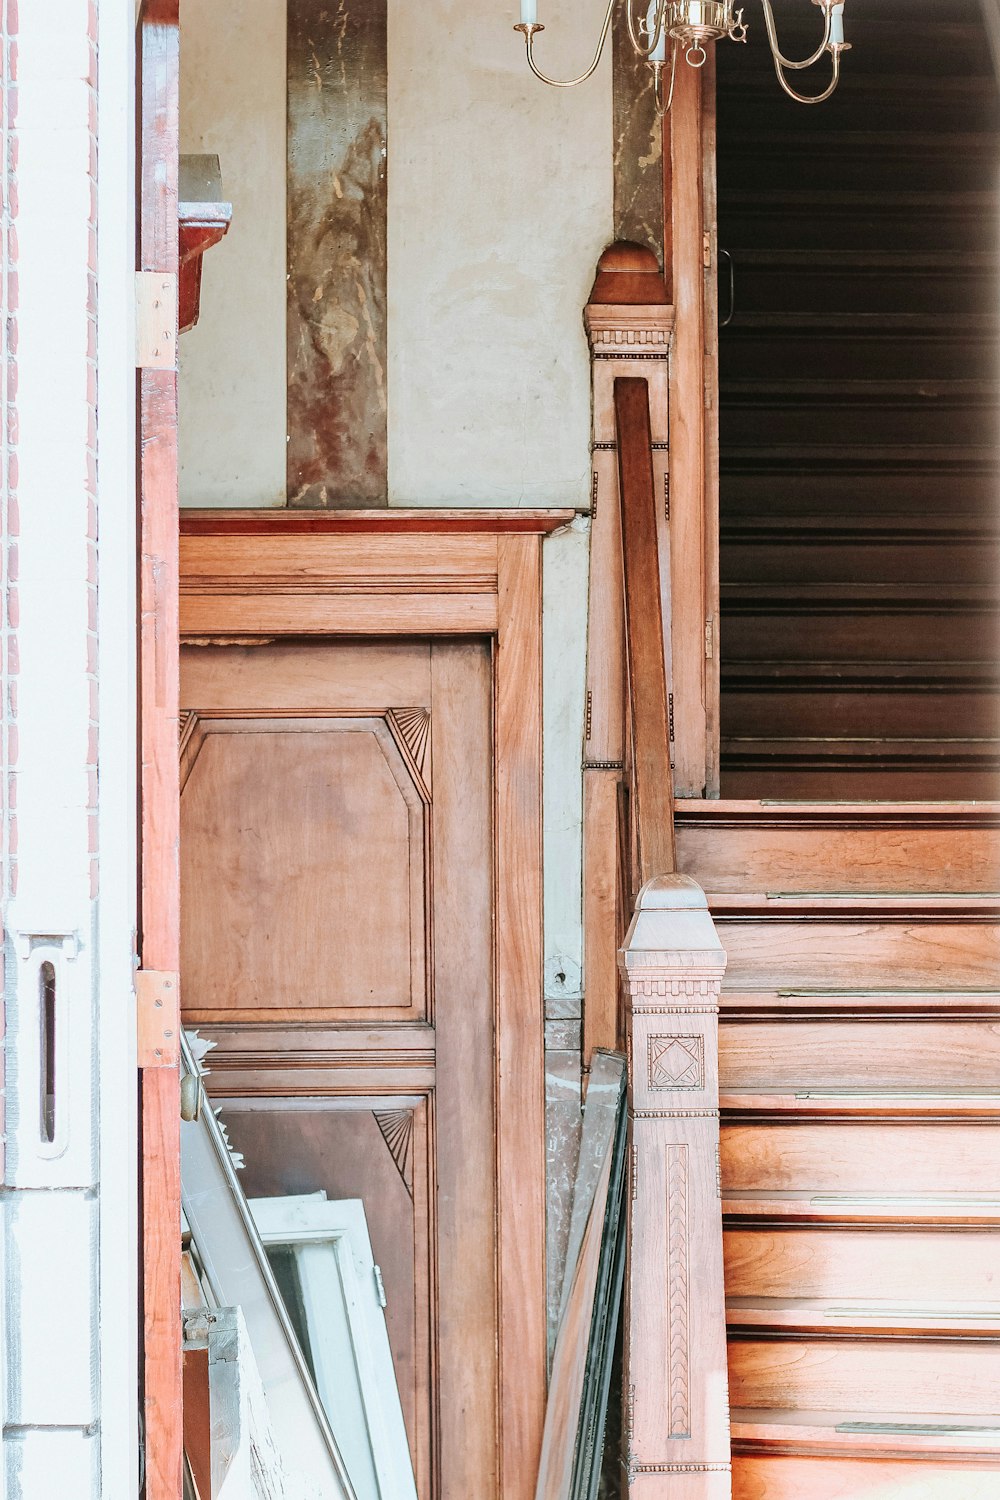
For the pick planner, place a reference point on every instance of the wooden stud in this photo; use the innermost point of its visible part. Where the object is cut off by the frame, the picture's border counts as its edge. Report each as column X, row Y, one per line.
column 159, row 790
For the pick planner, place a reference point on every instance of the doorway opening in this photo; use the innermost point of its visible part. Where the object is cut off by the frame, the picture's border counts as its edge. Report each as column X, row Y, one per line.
column 859, row 415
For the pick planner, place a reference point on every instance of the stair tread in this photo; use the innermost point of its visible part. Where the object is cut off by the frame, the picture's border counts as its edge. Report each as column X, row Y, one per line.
column 808, row 811
column 878, row 595
column 866, row 673
column 881, row 1103
column 850, row 393
column 862, row 260
column 848, row 1314
column 856, row 1005
column 862, row 1208
column 864, row 1431
column 855, row 903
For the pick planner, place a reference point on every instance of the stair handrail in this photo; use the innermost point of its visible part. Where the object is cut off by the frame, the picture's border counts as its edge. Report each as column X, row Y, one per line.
column 675, row 1385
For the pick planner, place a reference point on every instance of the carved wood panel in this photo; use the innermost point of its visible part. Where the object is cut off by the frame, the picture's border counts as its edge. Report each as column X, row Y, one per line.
column 337, row 867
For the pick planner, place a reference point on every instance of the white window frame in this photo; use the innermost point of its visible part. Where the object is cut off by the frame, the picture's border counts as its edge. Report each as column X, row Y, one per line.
column 343, row 1301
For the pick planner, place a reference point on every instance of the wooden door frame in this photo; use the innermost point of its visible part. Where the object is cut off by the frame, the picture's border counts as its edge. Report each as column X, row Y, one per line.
column 251, row 576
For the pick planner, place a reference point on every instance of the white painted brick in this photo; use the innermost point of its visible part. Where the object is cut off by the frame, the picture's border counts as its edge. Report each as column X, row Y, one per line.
column 68, row 115
column 52, row 1466
column 50, row 1309
column 66, row 55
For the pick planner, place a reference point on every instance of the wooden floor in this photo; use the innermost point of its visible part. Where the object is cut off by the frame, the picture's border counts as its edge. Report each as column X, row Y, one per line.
column 860, row 1084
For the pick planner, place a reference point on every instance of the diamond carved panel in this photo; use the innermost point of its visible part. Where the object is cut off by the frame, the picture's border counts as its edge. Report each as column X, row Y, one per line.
column 676, row 1062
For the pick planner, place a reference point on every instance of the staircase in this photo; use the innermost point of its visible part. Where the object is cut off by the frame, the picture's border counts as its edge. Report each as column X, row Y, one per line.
column 860, row 1096
column 860, row 414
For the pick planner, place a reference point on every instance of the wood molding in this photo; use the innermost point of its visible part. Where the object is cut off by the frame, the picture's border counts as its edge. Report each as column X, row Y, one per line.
column 269, row 575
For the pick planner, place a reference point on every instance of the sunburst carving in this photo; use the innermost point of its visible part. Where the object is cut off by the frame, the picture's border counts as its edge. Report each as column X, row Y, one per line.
column 396, row 1126
column 414, row 726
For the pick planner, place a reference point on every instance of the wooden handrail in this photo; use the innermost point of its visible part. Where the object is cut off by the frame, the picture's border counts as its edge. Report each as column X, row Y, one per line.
column 649, row 702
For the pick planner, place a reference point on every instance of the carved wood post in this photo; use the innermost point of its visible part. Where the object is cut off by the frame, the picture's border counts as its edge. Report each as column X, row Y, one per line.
column 675, row 1379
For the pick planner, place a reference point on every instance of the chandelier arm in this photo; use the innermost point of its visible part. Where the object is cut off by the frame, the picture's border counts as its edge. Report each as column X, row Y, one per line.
column 633, row 33
column 568, row 83
column 772, row 37
column 661, row 107
column 811, row 98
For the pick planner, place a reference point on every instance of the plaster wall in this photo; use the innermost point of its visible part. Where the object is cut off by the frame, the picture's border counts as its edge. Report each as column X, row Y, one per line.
column 500, row 200
column 232, row 365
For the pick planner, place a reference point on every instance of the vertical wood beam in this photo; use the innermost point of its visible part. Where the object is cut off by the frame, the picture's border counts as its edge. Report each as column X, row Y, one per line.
column 675, row 1375
column 520, row 1047
column 160, row 796
column 685, row 219
column 710, row 273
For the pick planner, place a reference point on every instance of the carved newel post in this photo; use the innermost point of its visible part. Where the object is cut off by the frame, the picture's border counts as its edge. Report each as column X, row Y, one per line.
column 675, row 1381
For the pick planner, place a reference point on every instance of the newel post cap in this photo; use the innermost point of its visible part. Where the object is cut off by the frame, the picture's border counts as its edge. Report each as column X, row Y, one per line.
column 672, row 927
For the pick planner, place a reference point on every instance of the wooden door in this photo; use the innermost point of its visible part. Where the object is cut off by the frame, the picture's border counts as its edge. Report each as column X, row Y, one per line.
column 337, row 936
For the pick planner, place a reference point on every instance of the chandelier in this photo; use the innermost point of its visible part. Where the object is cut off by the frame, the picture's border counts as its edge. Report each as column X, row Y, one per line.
column 687, row 26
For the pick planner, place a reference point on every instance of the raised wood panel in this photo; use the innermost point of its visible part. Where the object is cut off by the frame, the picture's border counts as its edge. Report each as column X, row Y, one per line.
column 785, row 1478
column 307, row 840
column 874, row 1263
column 907, row 954
column 876, row 1054
column 739, row 846
column 863, row 1158
column 912, row 1375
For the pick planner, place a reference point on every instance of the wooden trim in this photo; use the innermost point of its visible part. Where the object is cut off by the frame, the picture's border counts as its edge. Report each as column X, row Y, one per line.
column 710, row 332
column 652, row 787
column 159, row 946
column 685, row 219
column 389, row 522
column 520, row 1034
column 227, row 574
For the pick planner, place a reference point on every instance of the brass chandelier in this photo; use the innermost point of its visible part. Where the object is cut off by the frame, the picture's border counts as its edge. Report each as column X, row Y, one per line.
column 689, row 26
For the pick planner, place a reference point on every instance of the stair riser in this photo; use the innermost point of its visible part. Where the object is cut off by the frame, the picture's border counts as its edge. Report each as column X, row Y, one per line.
column 861, row 713
column 882, row 228
column 815, row 559
column 861, row 637
column 831, row 857
column 816, row 496
column 908, row 1266
column 761, row 289
column 857, row 955
column 895, row 172
column 863, row 1158
column 744, row 776
column 746, row 354
column 914, row 1376
column 785, row 1478
column 765, row 426
column 873, row 1054
column 906, row 109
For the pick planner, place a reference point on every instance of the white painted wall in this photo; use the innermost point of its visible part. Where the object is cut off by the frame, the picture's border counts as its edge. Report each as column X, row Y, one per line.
column 500, row 200
column 232, row 381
